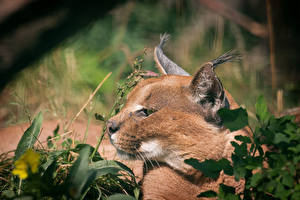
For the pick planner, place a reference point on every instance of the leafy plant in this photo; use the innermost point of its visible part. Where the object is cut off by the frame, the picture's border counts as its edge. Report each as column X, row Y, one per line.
column 63, row 174
column 123, row 89
column 272, row 174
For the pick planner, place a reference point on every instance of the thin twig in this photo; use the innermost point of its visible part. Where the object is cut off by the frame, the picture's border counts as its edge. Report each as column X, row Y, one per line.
column 57, row 137
column 230, row 13
column 88, row 101
column 279, row 101
column 3, row 179
column 87, row 128
column 272, row 44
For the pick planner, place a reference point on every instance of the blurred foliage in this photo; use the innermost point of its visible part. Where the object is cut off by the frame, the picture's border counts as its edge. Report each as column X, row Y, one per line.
column 63, row 80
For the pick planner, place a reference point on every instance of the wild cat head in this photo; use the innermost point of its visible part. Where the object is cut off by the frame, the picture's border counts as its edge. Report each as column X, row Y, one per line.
column 174, row 115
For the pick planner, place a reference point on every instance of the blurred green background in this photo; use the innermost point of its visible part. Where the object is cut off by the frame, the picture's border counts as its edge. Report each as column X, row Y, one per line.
column 61, row 82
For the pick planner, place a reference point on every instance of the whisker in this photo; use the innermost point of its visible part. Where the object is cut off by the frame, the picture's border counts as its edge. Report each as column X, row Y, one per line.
column 149, row 160
column 142, row 157
column 157, row 162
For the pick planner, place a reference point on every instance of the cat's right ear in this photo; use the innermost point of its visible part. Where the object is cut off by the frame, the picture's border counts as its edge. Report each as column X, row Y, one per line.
column 207, row 89
column 164, row 64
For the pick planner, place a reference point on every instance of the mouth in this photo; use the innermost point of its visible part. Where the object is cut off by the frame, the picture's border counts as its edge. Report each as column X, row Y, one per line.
column 150, row 149
column 126, row 156
column 122, row 154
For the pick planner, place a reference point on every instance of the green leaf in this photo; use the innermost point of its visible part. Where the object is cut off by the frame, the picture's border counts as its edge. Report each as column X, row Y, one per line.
column 227, row 189
column 137, row 192
column 80, row 176
column 232, row 197
column 210, row 168
column 51, row 158
column 234, row 119
column 49, row 142
column 279, row 137
column 120, row 197
column 240, row 149
column 254, row 162
column 208, row 194
column 255, row 179
column 99, row 117
column 296, row 195
column 296, row 159
column 262, row 112
column 67, row 143
column 104, row 167
column 55, row 132
column 226, row 166
column 270, row 186
column 295, row 149
column 280, row 192
column 80, row 146
column 29, row 137
column 239, row 172
column 49, row 174
column 227, row 193
column 287, row 180
column 243, row 139
column 292, row 169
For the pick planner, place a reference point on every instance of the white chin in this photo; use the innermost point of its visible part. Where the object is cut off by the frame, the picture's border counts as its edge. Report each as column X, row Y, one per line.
column 152, row 149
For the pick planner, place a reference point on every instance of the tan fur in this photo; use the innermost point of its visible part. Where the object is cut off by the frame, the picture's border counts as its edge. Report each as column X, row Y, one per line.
column 180, row 131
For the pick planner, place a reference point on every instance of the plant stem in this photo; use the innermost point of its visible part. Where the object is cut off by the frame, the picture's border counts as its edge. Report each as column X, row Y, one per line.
column 103, row 130
column 83, row 195
column 88, row 101
column 87, row 128
column 19, row 188
column 98, row 143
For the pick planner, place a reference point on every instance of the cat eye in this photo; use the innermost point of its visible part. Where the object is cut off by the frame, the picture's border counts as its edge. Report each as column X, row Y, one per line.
column 144, row 112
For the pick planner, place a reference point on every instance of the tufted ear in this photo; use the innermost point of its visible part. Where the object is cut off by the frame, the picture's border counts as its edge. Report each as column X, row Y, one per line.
column 208, row 90
column 164, row 64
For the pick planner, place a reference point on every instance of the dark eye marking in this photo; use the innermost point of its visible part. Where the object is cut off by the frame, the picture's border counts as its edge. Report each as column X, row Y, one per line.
column 148, row 97
column 144, row 112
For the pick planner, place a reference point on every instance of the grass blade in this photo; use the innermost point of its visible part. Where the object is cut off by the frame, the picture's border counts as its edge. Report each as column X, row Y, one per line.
column 29, row 137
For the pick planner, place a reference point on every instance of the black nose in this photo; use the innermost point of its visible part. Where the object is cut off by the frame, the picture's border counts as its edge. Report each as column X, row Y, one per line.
column 112, row 126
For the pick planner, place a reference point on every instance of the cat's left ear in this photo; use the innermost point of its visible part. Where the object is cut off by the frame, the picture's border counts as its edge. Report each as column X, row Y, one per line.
column 164, row 64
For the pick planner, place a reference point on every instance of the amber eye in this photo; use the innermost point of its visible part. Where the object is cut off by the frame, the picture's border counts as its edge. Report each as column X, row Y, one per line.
column 144, row 112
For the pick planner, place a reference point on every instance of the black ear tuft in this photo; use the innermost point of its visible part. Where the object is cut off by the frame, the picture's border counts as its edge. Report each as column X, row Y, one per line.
column 163, row 39
column 229, row 56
